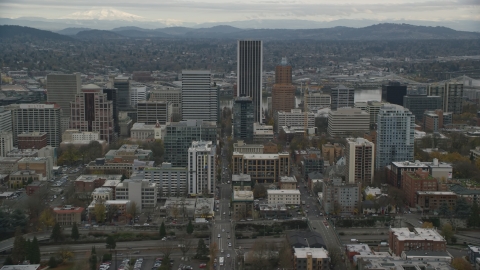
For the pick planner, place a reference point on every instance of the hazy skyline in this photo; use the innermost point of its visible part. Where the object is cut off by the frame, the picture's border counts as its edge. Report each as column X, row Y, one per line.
column 200, row 11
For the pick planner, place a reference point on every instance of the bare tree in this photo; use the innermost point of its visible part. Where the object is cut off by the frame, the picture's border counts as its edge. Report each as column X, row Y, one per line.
column 213, row 254
column 185, row 246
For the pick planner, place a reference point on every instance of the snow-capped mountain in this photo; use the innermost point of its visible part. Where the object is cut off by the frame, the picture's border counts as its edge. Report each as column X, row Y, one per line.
column 105, row 14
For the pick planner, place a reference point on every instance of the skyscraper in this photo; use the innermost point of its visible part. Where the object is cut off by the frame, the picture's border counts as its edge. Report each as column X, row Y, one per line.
column 201, row 168
column 283, row 92
column 92, row 111
column 395, row 135
column 61, row 89
column 123, row 91
column 200, row 100
column 452, row 95
column 149, row 112
column 112, row 96
column 359, row 160
column 249, row 73
column 243, row 119
column 418, row 104
column 393, row 92
column 342, row 97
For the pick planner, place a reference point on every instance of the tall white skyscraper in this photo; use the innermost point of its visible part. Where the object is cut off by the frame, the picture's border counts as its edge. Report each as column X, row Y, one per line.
column 249, row 73
column 200, row 98
column 395, row 135
column 201, row 167
column 62, row 88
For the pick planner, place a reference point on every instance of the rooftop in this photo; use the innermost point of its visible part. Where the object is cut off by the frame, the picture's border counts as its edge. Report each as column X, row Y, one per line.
column 288, row 179
column 68, row 209
column 401, row 264
column 241, row 178
column 242, row 195
column 404, row 234
column 359, row 248
column 260, row 156
column 314, row 252
column 435, row 193
column 93, row 177
column 283, row 191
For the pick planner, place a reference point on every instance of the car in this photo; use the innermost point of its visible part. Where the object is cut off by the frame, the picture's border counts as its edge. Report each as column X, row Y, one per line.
column 202, row 265
column 229, row 244
column 223, row 230
column 164, row 238
column 228, row 255
column 218, row 235
column 228, row 236
column 224, row 213
column 221, row 250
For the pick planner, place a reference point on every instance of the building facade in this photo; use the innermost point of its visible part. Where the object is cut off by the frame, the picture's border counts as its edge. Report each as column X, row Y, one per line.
column 402, row 239
column 332, row 152
column 283, row 91
column 451, row 93
column 395, row 135
column 138, row 191
column 242, row 204
column 67, row 215
column 417, row 180
column 249, row 73
column 61, row 89
column 431, row 201
column 296, row 118
column 433, row 121
column 339, row 197
column 418, row 104
column 243, row 118
column 342, row 97
column 360, row 161
column 201, row 168
column 6, row 142
column 171, row 181
column 347, row 121
column 262, row 168
column 149, row 112
column 393, row 92
column 283, row 196
column 122, row 84
column 138, row 92
column 243, row 148
column 172, row 95
column 32, row 140
column 316, row 101
column 200, row 99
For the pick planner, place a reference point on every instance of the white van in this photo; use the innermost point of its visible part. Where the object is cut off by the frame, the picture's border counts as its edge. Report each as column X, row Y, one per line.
column 353, row 240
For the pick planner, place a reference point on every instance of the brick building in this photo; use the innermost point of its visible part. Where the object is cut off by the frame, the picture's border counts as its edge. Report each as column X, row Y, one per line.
column 32, row 140
column 87, row 183
column 430, row 201
column 33, row 187
column 68, row 214
column 418, row 180
column 402, row 239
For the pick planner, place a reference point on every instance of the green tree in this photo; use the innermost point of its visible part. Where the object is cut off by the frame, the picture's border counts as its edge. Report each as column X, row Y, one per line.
column 93, row 259
column 19, row 247
column 163, row 231
column 52, row 263
column 447, row 232
column 202, row 250
column 99, row 211
column 75, row 234
column 28, row 250
column 190, row 227
column 474, row 218
column 56, row 233
column 443, row 210
column 35, row 251
column 462, row 209
column 8, row 261
column 46, row 218
column 110, row 242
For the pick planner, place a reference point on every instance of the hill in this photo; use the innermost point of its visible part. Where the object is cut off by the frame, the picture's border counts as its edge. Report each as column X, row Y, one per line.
column 71, row 31
column 15, row 31
column 98, row 34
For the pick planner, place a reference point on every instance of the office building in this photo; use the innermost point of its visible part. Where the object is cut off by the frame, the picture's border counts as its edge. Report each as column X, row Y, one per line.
column 359, row 161
column 347, row 121
column 430, row 201
column 283, row 196
column 262, row 133
column 417, row 180
column 395, row 135
column 151, row 112
column 433, row 121
column 122, row 84
column 89, row 182
column 41, row 165
column 249, row 73
column 171, row 181
column 241, row 182
column 243, row 148
column 373, row 107
column 262, row 168
column 288, row 182
column 361, row 105
column 243, row 118
column 128, row 153
column 342, row 97
column 20, row 179
column 61, row 89
column 37, row 118
column 200, row 99
column 316, row 101
column 172, row 95
column 242, row 204
column 393, row 93
column 91, row 111
column 32, row 140
column 312, row 161
column 5, row 120
column 283, row 91
column 179, row 137
column 112, row 96
column 311, row 259
column 138, row 92
column 418, row 104
column 451, row 94
column 201, row 168
column 138, row 191
column 340, row 197
column 294, row 118
column 332, row 152
column 6, row 143
column 67, row 215
column 402, row 239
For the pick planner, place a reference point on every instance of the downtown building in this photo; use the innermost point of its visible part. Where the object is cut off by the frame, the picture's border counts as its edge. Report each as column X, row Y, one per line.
column 294, row 118
column 243, row 118
column 395, row 135
column 172, row 95
column 91, row 111
column 418, row 104
column 200, row 98
column 122, row 84
column 342, row 97
column 171, row 181
column 359, row 155
column 347, row 121
column 340, row 197
column 393, row 92
column 201, row 168
column 262, row 168
column 283, row 91
column 61, row 89
column 153, row 112
column 451, row 94
column 315, row 101
column 249, row 73
column 179, row 136
column 37, row 118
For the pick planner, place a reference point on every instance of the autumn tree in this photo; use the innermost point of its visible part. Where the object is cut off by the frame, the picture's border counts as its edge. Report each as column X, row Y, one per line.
column 46, row 218
column 99, row 211
column 65, row 254
column 213, row 251
column 447, row 232
column 132, row 210
column 460, row 263
column 427, row 224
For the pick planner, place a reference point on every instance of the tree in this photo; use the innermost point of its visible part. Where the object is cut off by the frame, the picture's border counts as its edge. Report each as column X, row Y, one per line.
column 427, row 225
column 93, row 259
column 46, row 218
column 444, row 210
column 190, row 227
column 99, row 211
column 110, row 242
column 56, row 233
column 317, row 187
column 35, row 256
column 337, row 208
column 132, row 210
column 52, row 263
column 370, row 197
column 163, row 231
column 65, row 254
column 202, row 250
column 8, row 261
column 460, row 263
column 19, row 247
column 447, row 232
column 185, row 246
column 285, row 256
column 75, row 234
column 474, row 218
column 462, row 209
column 259, row 191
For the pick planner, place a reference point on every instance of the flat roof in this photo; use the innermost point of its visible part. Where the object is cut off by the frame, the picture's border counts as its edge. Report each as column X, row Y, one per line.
column 242, row 195
column 283, row 191
column 288, row 179
column 93, row 177
column 436, row 193
column 404, row 234
column 314, row 252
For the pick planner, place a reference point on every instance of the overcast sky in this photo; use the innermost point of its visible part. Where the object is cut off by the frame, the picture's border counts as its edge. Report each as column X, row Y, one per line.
column 233, row 10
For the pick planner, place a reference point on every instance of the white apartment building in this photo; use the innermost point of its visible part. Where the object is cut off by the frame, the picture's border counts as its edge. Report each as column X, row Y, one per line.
column 345, row 121
column 6, row 142
column 201, row 167
column 138, row 92
column 171, row 181
column 283, row 196
column 262, row 133
column 140, row 191
column 295, row 118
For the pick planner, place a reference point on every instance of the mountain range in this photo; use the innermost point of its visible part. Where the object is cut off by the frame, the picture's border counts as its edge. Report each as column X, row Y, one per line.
column 384, row 31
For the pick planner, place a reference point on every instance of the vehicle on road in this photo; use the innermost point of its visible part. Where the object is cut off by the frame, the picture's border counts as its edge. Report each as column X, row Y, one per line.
column 221, row 260
column 228, row 255
column 218, row 235
column 303, row 202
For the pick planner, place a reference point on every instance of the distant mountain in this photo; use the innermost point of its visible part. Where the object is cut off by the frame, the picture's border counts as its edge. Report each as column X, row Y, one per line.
column 98, row 34
column 15, row 31
column 71, row 31
column 104, row 14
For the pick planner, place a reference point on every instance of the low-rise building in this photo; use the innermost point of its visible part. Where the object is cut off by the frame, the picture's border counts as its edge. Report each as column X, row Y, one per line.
column 34, row 187
column 241, row 182
column 119, row 206
column 138, row 191
column 388, row 263
column 41, row 165
column 127, row 154
column 288, row 182
column 8, row 165
column 311, row 258
column 102, row 194
column 402, row 239
column 67, row 215
column 430, row 201
column 262, row 133
column 301, row 239
column 284, row 196
column 352, row 250
column 340, row 197
column 418, row 180
column 278, row 211
column 420, row 255
column 32, row 140
column 89, row 182
column 312, row 162
column 295, row 118
column 20, row 179
column 241, row 147
column 332, row 152
column 180, row 207
column 242, row 204
column 204, row 208
column 262, row 168
column 473, row 253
